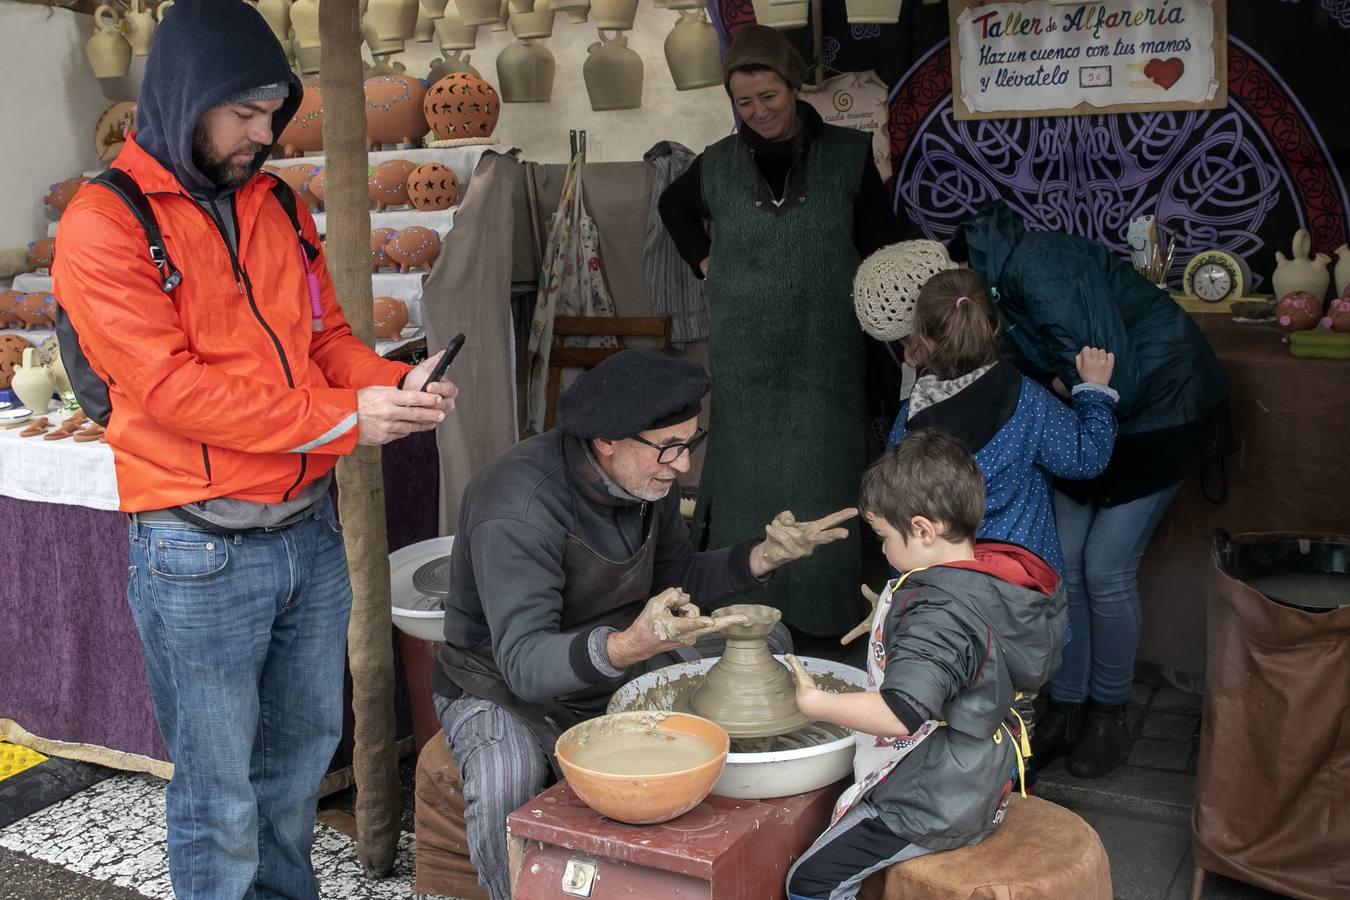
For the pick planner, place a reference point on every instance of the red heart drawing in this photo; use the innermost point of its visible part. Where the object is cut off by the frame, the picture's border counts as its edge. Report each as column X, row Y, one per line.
column 1164, row 73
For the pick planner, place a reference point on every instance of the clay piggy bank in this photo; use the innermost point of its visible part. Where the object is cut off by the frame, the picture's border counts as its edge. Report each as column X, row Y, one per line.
column 1338, row 315
column 59, row 197
column 414, row 247
column 36, row 310
column 394, row 112
column 318, row 185
column 389, row 183
column 304, row 133
column 391, row 315
column 9, row 301
column 379, row 242
column 298, row 177
column 1298, row 311
column 42, row 253
column 433, row 186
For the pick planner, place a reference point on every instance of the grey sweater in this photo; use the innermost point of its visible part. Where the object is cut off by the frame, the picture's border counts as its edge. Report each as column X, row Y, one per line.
column 506, row 572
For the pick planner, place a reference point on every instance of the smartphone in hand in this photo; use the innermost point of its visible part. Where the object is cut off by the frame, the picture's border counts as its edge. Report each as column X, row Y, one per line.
column 451, row 351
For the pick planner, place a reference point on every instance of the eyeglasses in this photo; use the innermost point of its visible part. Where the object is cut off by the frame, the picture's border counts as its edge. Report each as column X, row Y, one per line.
column 668, row 453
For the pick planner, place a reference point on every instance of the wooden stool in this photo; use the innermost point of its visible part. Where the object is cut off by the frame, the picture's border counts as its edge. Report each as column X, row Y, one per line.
column 1040, row 850
column 443, row 865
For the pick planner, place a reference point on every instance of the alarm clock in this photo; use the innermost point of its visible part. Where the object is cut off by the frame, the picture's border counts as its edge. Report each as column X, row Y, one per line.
column 1216, row 275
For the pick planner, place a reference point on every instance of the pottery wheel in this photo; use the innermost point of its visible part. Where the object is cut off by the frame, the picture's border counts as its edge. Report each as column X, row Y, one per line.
column 433, row 578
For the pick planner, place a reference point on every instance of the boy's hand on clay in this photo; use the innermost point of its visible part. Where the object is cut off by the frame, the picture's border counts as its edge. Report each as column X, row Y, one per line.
column 1095, row 366
column 806, row 685
column 865, row 625
column 787, row 540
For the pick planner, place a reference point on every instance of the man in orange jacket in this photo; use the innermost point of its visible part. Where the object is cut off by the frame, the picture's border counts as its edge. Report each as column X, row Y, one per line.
column 232, row 398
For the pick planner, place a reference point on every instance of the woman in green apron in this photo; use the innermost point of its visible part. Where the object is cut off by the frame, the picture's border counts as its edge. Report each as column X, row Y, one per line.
column 795, row 204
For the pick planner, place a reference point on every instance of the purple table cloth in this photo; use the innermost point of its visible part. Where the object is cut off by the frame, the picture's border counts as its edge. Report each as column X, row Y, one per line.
column 71, row 664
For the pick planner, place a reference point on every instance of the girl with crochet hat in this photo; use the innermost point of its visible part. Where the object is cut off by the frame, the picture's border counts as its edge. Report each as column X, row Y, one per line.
column 795, row 205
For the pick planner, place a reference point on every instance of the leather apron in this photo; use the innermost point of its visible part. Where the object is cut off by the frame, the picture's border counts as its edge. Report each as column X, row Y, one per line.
column 596, row 592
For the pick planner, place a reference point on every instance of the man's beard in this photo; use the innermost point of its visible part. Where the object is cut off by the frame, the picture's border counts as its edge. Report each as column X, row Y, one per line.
column 223, row 173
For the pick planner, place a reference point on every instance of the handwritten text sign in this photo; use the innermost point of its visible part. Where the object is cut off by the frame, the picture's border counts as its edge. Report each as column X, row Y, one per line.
column 1036, row 58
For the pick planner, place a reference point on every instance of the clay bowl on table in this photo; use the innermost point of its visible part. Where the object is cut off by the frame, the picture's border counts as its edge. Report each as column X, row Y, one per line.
column 643, row 767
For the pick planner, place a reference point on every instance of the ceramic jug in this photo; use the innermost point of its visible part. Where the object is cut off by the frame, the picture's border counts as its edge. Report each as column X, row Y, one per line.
column 503, row 15
column 529, row 24
column 108, row 51
column 873, row 12
column 577, row 11
column 613, row 74
column 379, row 46
column 479, row 12
column 1342, row 269
column 453, row 62
column 781, row 15
column 305, row 24
column 140, row 28
column 306, row 58
column 685, row 4
column 393, row 20
column 278, row 16
column 436, row 8
column 426, row 27
column 60, row 380
column 525, row 73
column 692, row 52
column 33, row 383
column 1301, row 273
column 615, row 15
column 453, row 34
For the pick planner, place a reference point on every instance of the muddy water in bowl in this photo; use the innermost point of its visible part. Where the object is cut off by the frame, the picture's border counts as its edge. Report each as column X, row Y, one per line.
column 645, row 753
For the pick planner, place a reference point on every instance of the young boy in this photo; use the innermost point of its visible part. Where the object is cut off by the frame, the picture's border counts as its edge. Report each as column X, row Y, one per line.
column 950, row 643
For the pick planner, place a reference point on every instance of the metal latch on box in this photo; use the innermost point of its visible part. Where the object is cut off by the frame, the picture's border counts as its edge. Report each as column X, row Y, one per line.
column 578, row 878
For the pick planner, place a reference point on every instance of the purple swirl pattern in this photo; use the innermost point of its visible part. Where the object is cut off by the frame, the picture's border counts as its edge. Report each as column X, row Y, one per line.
column 1339, row 10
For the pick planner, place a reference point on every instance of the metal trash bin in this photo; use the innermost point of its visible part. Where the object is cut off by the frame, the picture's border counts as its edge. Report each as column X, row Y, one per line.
column 1272, row 796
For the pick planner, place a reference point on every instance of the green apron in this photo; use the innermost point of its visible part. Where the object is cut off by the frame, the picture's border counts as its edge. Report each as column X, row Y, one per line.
column 788, row 419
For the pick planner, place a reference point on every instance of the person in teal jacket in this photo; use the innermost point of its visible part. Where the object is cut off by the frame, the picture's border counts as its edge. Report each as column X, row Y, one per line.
column 1057, row 293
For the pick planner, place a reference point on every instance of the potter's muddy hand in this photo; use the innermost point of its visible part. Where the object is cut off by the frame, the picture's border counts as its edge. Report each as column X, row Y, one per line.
column 865, row 625
column 786, row 539
column 673, row 618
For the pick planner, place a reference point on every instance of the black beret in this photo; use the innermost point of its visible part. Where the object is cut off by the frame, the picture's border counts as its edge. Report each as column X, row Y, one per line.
column 631, row 392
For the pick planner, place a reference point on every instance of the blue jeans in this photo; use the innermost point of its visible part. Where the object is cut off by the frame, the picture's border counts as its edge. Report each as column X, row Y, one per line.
column 244, row 642
column 1102, row 547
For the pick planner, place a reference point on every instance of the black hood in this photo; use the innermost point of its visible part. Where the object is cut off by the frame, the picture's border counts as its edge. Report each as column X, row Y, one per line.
column 204, row 52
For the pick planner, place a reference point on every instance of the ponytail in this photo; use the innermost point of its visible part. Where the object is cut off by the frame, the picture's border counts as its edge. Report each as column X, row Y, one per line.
column 956, row 324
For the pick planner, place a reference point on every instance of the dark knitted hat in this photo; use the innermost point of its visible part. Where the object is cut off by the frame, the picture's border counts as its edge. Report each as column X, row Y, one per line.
column 760, row 45
column 631, row 392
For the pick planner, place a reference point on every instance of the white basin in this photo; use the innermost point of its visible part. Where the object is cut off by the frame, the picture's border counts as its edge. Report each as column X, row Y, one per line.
column 414, row 612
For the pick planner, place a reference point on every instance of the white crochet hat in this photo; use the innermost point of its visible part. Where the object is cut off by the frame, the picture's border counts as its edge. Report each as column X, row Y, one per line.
column 886, row 287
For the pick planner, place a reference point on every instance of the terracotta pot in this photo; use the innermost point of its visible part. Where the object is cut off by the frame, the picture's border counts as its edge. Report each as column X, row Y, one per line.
column 478, row 12
column 873, row 12
column 1298, row 311
column 391, row 316
column 112, row 128
column 109, row 53
column 613, row 74
column 453, row 62
column 42, row 253
column 614, row 15
column 298, row 177
column 453, row 34
column 394, row 110
column 304, row 133
column 414, row 247
column 11, row 354
column 9, row 304
column 433, row 186
column 33, row 383
column 1301, row 273
column 786, row 15
column 60, row 195
column 389, row 183
column 535, row 24
column 379, row 242
column 641, row 799
column 525, row 73
column 693, row 54
column 305, row 24
column 461, row 105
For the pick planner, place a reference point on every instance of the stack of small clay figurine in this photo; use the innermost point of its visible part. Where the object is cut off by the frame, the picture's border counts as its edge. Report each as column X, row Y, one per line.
column 78, row 427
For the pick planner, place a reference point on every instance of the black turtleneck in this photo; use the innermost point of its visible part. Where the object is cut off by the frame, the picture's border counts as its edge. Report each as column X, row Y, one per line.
column 684, row 212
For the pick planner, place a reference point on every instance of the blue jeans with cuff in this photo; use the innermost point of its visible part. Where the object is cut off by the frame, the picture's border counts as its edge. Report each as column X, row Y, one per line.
column 245, row 643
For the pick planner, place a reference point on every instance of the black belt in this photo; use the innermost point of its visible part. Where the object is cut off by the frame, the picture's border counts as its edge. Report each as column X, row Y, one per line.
column 180, row 515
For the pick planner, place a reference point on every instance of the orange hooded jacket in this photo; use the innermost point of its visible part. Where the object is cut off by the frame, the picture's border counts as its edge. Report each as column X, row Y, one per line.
column 220, row 388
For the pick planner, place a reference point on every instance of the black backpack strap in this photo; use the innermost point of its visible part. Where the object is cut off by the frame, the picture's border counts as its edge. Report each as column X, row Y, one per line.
column 130, row 193
column 286, row 197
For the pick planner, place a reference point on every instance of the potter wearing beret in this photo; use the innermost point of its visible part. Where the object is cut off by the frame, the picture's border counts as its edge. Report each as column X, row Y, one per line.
column 795, row 204
column 572, row 572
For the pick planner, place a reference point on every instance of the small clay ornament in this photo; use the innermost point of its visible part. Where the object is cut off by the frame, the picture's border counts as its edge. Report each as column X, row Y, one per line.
column 395, row 112
column 298, row 177
column 462, row 105
column 1338, row 315
column 433, row 186
column 1297, row 311
column 36, row 427
column 304, row 133
column 389, row 183
column 391, row 316
column 60, row 195
column 42, row 253
column 37, row 310
column 379, row 242
column 318, row 185
column 9, row 302
column 414, row 247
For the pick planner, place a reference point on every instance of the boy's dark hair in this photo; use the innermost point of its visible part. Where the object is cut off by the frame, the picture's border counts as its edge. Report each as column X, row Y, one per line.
column 928, row 474
column 956, row 324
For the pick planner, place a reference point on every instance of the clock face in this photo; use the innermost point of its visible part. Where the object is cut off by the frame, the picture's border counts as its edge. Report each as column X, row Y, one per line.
column 1212, row 282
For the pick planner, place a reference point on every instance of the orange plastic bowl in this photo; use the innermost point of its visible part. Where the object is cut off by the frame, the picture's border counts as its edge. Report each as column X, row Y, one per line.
column 643, row 799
